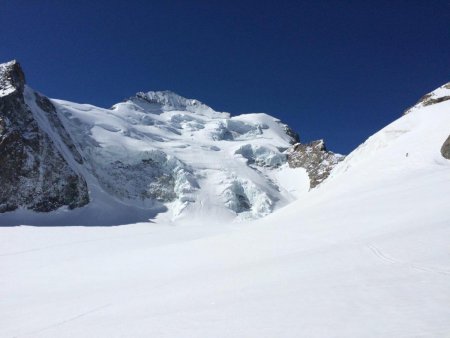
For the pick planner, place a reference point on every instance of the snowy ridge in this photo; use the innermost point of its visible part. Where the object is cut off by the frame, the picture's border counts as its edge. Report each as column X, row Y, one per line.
column 410, row 144
column 438, row 95
column 168, row 101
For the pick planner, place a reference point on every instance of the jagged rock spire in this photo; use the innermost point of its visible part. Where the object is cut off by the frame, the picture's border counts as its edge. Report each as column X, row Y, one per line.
column 12, row 78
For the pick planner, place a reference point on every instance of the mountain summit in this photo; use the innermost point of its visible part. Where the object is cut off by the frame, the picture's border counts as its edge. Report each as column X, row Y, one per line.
column 11, row 78
column 168, row 101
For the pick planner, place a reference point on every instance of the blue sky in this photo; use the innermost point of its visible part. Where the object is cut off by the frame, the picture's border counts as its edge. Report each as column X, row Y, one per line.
column 338, row 70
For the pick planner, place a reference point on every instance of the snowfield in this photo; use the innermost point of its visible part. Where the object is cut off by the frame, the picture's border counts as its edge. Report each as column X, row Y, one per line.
column 365, row 254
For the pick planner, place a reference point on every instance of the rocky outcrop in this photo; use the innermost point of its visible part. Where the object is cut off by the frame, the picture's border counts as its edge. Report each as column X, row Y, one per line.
column 428, row 100
column 315, row 158
column 437, row 96
column 295, row 138
column 445, row 150
column 34, row 173
column 12, row 78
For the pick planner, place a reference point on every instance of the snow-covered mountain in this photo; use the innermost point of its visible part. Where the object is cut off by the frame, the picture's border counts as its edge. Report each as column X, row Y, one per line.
column 363, row 254
column 156, row 152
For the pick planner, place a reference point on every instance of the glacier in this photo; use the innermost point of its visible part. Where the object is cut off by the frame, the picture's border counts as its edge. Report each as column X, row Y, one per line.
column 156, row 155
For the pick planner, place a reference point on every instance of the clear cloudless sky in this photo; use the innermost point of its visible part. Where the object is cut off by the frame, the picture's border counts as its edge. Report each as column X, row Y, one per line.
column 338, row 70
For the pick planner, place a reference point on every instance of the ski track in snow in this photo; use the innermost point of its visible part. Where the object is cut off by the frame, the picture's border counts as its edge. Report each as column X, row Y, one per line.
column 63, row 322
column 389, row 259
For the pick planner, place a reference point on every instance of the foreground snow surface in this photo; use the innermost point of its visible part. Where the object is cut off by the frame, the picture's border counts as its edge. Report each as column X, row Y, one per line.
column 364, row 255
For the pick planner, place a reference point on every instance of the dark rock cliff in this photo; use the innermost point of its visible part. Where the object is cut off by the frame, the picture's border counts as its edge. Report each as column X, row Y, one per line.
column 34, row 173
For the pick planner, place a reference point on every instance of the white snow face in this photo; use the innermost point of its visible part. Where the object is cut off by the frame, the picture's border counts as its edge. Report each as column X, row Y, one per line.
column 158, row 148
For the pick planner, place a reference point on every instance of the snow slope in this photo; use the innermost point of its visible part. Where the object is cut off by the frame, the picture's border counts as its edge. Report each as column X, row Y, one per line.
column 366, row 254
